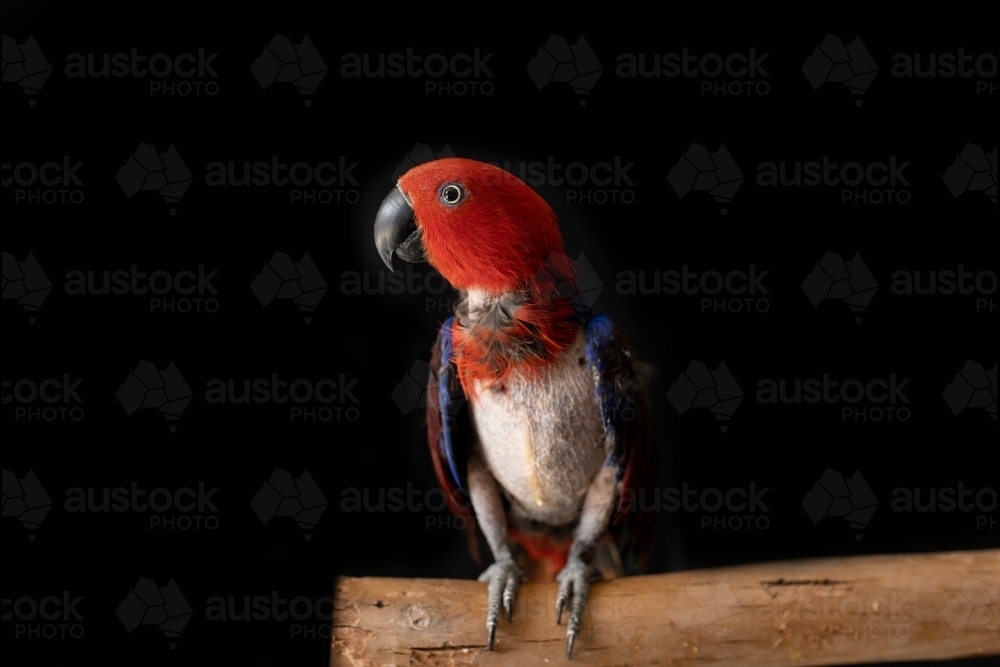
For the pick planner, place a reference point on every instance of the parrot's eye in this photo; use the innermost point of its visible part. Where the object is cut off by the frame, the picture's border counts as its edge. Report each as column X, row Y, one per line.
column 451, row 194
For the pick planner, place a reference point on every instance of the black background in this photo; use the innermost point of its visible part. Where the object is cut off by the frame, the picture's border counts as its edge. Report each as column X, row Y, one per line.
column 377, row 338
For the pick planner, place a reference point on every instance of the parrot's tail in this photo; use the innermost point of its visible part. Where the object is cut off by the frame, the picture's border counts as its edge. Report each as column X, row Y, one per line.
column 544, row 554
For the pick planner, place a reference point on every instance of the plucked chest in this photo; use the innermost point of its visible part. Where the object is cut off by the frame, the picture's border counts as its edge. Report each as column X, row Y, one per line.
column 542, row 436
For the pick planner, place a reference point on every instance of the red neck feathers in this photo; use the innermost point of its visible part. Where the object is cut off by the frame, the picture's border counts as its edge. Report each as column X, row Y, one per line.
column 509, row 335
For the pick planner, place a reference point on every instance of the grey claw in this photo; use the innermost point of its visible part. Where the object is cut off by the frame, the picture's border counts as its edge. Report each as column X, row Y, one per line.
column 504, row 578
column 574, row 587
column 492, row 636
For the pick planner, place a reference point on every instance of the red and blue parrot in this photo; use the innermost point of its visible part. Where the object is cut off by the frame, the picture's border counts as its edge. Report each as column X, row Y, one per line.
column 555, row 444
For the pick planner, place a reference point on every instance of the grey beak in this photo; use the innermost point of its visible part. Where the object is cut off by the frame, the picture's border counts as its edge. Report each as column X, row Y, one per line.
column 396, row 231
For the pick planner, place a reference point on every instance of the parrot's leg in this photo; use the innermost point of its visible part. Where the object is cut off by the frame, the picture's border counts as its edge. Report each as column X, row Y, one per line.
column 504, row 575
column 579, row 573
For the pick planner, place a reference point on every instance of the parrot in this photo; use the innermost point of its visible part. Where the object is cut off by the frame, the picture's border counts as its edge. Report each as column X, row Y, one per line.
column 555, row 441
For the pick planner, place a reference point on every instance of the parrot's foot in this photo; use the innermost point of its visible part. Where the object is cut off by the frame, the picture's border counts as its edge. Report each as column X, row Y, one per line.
column 574, row 587
column 505, row 578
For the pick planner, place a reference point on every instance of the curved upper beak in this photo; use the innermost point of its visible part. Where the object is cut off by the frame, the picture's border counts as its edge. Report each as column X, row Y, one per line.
column 396, row 230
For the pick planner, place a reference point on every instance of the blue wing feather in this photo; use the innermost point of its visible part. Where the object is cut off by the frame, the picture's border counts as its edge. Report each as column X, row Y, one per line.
column 449, row 432
column 446, row 402
column 603, row 350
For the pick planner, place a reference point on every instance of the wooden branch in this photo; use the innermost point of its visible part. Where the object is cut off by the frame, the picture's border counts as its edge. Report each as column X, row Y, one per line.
column 836, row 611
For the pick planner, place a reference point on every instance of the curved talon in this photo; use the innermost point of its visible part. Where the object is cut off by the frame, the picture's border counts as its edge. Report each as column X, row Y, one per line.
column 509, row 593
column 504, row 578
column 574, row 587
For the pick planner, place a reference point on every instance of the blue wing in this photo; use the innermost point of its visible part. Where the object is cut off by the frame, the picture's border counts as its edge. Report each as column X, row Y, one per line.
column 444, row 386
column 449, row 431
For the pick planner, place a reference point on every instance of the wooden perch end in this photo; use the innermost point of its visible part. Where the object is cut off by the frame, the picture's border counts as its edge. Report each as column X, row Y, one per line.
column 836, row 611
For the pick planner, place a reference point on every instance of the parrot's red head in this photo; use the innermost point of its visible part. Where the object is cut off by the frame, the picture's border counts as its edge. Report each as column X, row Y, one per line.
column 480, row 226
column 484, row 229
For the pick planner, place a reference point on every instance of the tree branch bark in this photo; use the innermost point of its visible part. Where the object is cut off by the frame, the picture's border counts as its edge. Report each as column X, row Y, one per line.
column 836, row 611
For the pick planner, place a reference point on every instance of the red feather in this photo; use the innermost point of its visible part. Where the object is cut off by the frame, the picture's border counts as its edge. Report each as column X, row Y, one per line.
column 632, row 527
column 485, row 353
